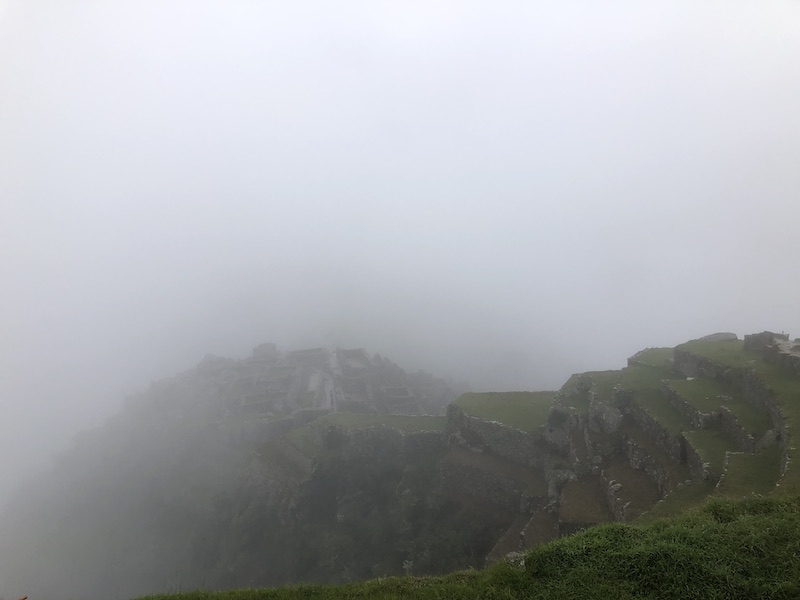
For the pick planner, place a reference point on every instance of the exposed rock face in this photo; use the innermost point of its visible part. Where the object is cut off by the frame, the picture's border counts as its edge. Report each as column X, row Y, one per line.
column 603, row 415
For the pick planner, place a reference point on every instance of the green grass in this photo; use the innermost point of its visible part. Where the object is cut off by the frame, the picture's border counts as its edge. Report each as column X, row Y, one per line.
column 711, row 445
column 678, row 501
column 785, row 387
column 750, row 474
column 656, row 357
column 524, row 410
column 703, row 394
column 733, row 550
column 663, row 412
column 640, row 378
column 308, row 438
column 731, row 353
column 405, row 423
column 604, row 382
column 645, row 383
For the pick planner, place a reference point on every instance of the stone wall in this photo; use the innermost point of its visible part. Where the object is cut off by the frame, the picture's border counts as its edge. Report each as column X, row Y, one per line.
column 641, row 460
column 673, row 445
column 599, row 446
column 723, row 419
column 556, row 480
column 753, row 389
column 730, row 425
column 521, row 447
column 373, row 442
column 619, row 507
column 776, row 349
column 699, row 469
column 699, row 420
column 760, row 342
column 788, row 361
column 578, row 454
column 603, row 414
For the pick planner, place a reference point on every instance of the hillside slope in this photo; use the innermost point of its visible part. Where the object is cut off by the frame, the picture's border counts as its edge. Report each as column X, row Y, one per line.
column 728, row 549
column 322, row 467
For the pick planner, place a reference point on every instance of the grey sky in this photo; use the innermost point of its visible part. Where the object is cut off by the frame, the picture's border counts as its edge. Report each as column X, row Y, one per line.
column 495, row 191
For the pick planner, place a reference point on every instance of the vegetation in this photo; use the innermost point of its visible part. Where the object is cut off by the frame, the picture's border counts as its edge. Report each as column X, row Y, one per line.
column 405, row 423
column 711, row 445
column 750, row 473
column 731, row 353
column 726, row 549
column 308, row 439
column 684, row 497
column 231, row 498
column 782, row 384
column 705, row 395
column 655, row 357
column 524, row 410
column 604, row 382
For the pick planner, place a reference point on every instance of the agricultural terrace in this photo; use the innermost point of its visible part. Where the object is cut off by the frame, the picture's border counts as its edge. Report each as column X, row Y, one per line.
column 785, row 388
column 308, row 438
column 524, row 410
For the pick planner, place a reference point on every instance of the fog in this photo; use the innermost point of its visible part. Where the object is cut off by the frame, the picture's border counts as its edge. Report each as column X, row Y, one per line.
column 501, row 193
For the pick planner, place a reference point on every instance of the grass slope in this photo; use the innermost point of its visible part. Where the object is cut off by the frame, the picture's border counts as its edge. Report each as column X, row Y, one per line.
column 726, row 549
column 524, row 410
column 308, row 438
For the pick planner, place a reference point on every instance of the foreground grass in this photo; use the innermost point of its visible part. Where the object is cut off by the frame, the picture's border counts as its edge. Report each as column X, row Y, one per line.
column 524, row 410
column 746, row 549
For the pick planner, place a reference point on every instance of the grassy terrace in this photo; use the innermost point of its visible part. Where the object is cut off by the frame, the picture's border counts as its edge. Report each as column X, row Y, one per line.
column 785, row 387
column 678, row 501
column 405, row 423
column 307, row 439
column 645, row 383
column 751, row 473
column 746, row 549
column 603, row 383
column 655, row 357
column 703, row 394
column 524, row 410
column 731, row 353
column 711, row 445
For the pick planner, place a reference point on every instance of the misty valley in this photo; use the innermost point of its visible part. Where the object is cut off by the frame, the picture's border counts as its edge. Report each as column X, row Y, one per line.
column 334, row 466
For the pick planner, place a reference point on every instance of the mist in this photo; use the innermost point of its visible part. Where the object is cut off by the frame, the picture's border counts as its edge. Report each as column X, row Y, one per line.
column 502, row 194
